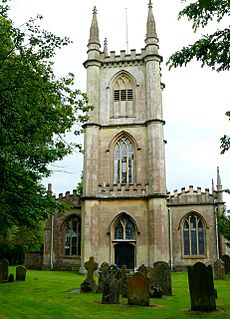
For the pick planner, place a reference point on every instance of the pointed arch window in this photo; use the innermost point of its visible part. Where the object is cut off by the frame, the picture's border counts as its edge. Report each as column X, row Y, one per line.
column 73, row 237
column 124, row 229
column 124, row 161
column 193, row 236
column 123, row 97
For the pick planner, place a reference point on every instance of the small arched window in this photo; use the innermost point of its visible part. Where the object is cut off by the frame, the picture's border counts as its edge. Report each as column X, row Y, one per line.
column 123, row 97
column 124, row 161
column 124, row 228
column 73, row 237
column 193, row 235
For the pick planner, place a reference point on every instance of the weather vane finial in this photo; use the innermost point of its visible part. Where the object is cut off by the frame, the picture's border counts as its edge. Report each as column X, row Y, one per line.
column 150, row 4
column 94, row 10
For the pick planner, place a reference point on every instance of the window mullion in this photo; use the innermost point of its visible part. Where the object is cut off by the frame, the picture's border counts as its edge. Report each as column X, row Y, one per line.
column 190, row 237
column 120, row 173
column 71, row 236
column 127, row 163
column 197, row 236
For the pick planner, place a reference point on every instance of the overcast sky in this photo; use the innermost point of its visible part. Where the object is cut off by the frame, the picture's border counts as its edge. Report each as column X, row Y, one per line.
column 195, row 99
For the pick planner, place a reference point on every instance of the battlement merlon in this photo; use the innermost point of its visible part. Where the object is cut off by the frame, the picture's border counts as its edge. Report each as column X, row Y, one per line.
column 133, row 57
column 193, row 196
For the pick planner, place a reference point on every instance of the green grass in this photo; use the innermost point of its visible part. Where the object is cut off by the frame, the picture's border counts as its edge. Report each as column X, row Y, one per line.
column 46, row 294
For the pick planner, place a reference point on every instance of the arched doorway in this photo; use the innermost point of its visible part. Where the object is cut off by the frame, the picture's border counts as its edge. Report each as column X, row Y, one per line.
column 124, row 232
column 124, row 255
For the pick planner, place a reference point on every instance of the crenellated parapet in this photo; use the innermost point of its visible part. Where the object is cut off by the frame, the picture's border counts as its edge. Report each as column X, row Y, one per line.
column 117, row 190
column 191, row 196
column 70, row 198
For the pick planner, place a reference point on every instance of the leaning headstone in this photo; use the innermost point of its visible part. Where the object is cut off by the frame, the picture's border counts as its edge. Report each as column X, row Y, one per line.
column 102, row 273
column 11, row 278
column 138, row 289
column 226, row 260
column 5, row 269
column 219, row 271
column 111, row 289
column 201, row 287
column 20, row 273
column 162, row 277
column 89, row 284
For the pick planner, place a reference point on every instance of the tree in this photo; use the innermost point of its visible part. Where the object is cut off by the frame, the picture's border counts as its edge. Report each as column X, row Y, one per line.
column 212, row 50
column 36, row 110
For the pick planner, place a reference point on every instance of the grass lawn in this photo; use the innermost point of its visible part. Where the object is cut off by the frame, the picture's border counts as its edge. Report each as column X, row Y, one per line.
column 46, row 294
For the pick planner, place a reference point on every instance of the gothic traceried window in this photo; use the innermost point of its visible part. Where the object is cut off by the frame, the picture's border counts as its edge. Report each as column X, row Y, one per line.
column 123, row 162
column 124, row 228
column 73, row 237
column 193, row 236
column 123, row 97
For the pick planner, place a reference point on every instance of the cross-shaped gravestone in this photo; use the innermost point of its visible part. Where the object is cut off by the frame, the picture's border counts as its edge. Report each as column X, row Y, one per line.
column 89, row 283
column 90, row 266
column 102, row 273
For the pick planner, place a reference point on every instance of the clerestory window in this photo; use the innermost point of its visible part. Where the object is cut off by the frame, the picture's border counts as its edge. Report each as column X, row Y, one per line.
column 124, row 161
column 73, row 237
column 193, row 236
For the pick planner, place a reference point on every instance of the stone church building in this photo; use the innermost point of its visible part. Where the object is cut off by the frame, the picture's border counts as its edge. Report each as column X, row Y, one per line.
column 125, row 214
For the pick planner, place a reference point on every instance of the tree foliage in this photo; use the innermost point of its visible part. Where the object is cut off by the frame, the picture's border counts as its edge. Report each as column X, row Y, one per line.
column 212, row 50
column 36, row 110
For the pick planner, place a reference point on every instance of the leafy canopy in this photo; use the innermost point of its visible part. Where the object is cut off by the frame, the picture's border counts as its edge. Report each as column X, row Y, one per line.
column 36, row 110
column 212, row 49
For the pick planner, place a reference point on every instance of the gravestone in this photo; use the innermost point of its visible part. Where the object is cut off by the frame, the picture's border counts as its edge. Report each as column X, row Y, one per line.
column 138, row 289
column 11, row 278
column 219, row 271
column 226, row 260
column 162, row 277
column 5, row 269
column 1, row 277
column 89, row 284
column 124, row 281
column 201, row 287
column 111, row 289
column 143, row 270
column 155, row 292
column 102, row 273
column 20, row 273
column 150, row 273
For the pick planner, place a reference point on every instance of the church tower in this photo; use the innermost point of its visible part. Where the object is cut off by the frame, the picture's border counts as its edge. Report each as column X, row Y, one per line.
column 124, row 214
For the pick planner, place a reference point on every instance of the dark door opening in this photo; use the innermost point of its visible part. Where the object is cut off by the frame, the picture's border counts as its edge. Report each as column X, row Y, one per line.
column 124, row 255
